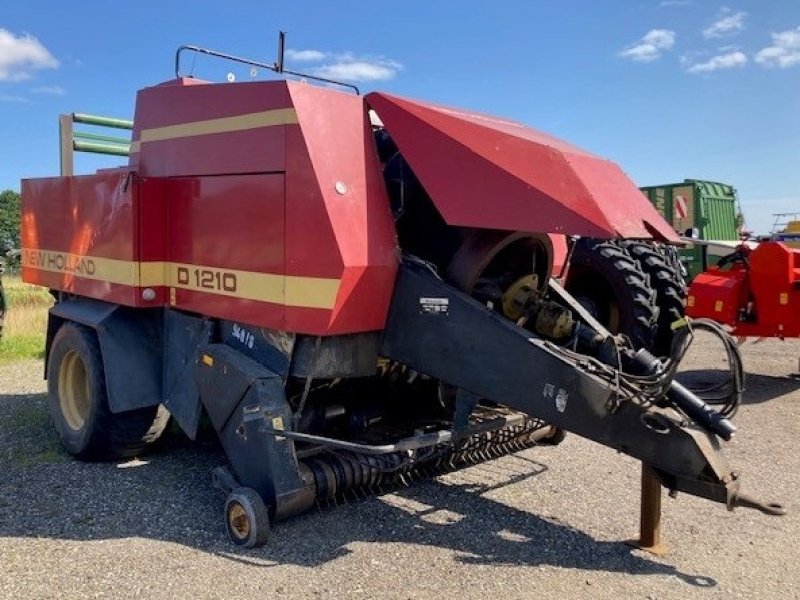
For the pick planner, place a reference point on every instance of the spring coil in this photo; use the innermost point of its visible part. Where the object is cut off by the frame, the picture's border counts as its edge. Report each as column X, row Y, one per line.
column 343, row 476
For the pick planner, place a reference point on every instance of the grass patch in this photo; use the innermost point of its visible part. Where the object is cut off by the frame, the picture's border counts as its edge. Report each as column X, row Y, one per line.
column 26, row 458
column 25, row 321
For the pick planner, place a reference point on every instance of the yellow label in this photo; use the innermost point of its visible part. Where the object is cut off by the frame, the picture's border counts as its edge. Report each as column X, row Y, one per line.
column 208, row 360
column 289, row 290
column 276, row 288
column 784, row 298
column 718, row 306
column 690, row 301
column 277, row 424
column 123, row 272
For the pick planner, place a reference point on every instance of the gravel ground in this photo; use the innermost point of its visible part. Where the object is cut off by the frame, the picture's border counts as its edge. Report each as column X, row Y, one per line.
column 547, row 522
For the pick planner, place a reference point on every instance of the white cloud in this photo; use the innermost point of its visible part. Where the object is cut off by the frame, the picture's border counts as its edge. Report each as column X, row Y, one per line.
column 359, row 70
column 721, row 61
column 347, row 66
column 50, row 90
column 11, row 98
column 305, row 55
column 650, row 46
column 19, row 55
column 784, row 52
column 727, row 24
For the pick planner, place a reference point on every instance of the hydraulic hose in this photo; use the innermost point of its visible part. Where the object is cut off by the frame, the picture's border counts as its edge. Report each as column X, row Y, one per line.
column 685, row 400
column 728, row 393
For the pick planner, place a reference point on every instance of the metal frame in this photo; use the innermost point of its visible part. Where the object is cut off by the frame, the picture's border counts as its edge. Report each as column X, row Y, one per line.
column 411, row 444
column 71, row 141
column 276, row 67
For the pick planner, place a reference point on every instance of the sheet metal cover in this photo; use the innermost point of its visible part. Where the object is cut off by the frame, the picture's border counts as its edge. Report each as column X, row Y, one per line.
column 484, row 171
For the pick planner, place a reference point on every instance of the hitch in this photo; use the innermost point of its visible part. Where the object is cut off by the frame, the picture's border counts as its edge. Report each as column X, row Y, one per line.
column 650, row 511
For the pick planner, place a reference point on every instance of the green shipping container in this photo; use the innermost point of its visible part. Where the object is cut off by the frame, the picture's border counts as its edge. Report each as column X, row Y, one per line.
column 708, row 207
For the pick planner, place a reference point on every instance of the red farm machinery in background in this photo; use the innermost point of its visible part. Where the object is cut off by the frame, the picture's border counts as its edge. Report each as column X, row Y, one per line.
column 354, row 289
column 754, row 291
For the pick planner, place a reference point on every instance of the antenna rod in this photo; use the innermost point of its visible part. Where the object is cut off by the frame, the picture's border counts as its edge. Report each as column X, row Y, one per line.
column 281, row 46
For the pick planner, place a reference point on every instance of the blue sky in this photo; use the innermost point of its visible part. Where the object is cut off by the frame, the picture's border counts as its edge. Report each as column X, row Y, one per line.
column 669, row 89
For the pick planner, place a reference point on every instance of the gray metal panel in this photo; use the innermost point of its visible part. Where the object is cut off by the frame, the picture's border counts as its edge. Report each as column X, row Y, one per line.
column 245, row 400
column 184, row 335
column 354, row 355
column 131, row 342
column 271, row 348
column 224, row 376
column 84, row 311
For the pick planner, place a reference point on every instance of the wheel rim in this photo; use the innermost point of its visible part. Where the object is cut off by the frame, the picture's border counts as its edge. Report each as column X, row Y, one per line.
column 73, row 390
column 238, row 521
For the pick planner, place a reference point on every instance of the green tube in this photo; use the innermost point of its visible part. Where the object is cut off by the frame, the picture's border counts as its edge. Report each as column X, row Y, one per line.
column 99, row 148
column 96, row 137
column 102, row 121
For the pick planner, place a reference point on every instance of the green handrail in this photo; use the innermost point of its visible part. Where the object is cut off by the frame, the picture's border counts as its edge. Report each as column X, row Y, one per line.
column 98, row 148
column 96, row 137
column 83, row 141
column 102, row 121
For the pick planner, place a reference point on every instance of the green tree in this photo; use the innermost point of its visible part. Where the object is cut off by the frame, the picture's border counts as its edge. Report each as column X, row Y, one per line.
column 10, row 214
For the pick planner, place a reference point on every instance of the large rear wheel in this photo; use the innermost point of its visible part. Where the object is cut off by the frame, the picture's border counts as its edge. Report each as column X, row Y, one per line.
column 611, row 285
column 669, row 284
column 78, row 402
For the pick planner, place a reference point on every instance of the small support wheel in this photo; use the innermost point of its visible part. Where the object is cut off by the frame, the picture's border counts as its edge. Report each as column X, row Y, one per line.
column 246, row 518
column 555, row 438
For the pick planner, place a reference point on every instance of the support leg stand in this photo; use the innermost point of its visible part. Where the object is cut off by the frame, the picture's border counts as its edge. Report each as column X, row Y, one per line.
column 650, row 516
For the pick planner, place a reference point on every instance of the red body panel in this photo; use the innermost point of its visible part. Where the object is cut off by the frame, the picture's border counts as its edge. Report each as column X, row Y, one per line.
column 79, row 235
column 264, row 202
column 339, row 219
column 232, row 223
column 761, row 299
column 482, row 171
column 189, row 101
column 260, row 202
column 285, row 217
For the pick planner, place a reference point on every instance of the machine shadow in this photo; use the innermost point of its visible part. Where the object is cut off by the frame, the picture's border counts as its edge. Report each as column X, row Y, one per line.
column 757, row 388
column 168, row 496
column 480, row 530
column 762, row 388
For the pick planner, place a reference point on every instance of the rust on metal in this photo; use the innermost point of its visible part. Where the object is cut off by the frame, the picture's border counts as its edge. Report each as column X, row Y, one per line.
column 650, row 515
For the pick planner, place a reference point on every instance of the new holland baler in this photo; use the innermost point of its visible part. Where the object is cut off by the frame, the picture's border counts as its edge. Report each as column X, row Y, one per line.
column 351, row 300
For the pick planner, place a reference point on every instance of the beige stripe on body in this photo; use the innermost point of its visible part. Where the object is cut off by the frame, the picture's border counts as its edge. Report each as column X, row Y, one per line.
column 267, row 118
column 286, row 290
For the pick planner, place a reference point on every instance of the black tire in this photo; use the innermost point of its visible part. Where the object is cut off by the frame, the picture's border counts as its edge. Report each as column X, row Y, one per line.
column 673, row 259
column 246, row 518
column 78, row 402
column 666, row 278
column 611, row 285
column 555, row 439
